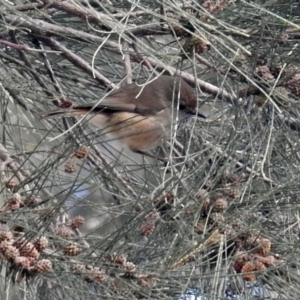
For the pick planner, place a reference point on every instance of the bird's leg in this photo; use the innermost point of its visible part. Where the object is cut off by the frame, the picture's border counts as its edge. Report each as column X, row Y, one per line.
column 162, row 156
column 152, row 156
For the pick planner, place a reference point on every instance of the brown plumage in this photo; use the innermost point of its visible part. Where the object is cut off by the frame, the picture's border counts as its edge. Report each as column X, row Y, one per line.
column 139, row 116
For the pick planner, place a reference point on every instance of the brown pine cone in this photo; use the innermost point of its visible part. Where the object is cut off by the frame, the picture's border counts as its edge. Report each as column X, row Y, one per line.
column 28, row 249
column 81, row 152
column 77, row 221
column 64, row 231
column 41, row 243
column 11, row 252
column 43, row 266
column 31, row 201
column 195, row 44
column 248, row 268
column 11, row 184
column 220, row 205
column 70, row 166
column 71, row 250
column 6, row 235
column 23, row 262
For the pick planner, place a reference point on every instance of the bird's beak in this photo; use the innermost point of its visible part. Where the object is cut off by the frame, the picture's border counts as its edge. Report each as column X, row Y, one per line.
column 200, row 115
column 197, row 114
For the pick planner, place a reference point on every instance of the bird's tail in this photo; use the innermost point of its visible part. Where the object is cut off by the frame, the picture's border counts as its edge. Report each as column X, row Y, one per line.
column 62, row 113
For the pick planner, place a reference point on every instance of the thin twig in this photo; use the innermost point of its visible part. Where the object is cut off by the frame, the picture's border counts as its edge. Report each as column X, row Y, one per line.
column 215, row 237
column 127, row 63
column 78, row 61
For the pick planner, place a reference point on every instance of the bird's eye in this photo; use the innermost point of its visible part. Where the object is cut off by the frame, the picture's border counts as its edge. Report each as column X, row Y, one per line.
column 181, row 106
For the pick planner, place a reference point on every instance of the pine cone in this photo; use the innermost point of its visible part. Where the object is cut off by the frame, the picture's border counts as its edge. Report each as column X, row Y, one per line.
column 96, row 276
column 147, row 229
column 117, row 259
column 79, row 269
column 130, row 266
column 195, row 44
column 43, row 266
column 70, row 166
column 23, row 262
column 264, row 246
column 248, row 268
column 41, row 243
column 20, row 242
column 29, row 250
column 77, row 222
column 220, row 205
column 6, row 235
column 11, row 252
column 71, row 250
column 64, row 231
column 32, row 201
column 11, row 184
column 239, row 262
column 14, row 202
column 82, row 152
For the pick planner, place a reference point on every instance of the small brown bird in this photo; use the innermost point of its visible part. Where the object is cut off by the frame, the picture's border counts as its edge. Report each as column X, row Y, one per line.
column 140, row 116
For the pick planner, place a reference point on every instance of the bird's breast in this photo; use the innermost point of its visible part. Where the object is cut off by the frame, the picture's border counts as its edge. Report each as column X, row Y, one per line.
column 139, row 133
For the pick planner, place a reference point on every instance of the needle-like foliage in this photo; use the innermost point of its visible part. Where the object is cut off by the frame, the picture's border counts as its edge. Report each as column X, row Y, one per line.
column 84, row 218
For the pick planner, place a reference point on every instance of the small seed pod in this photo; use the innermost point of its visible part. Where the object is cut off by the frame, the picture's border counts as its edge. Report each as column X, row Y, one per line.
column 70, row 165
column 6, row 235
column 11, row 184
column 71, row 250
column 41, row 243
column 195, row 44
column 77, row 221
column 81, row 152
column 43, row 266
column 220, row 205
column 28, row 249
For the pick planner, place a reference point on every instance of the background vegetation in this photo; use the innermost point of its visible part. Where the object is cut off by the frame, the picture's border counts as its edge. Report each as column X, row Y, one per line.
column 86, row 219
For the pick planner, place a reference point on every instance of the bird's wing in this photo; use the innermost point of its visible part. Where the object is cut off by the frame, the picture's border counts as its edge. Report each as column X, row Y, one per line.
column 130, row 98
column 106, row 106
